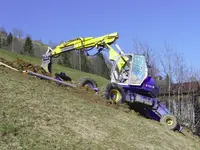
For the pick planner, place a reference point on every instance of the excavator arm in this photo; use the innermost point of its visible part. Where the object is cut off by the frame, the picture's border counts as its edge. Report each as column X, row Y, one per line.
column 84, row 44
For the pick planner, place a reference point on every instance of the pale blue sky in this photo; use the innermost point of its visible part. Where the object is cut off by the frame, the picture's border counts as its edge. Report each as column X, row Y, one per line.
column 156, row 22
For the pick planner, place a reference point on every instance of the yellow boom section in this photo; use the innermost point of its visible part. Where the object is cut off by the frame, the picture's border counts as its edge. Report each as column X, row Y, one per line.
column 89, row 42
column 85, row 44
column 114, row 56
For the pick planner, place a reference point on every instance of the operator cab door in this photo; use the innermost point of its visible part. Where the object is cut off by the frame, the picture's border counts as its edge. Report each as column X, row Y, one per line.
column 138, row 71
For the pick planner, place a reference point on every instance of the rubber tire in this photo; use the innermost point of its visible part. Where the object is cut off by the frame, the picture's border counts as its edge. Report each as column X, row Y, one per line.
column 163, row 120
column 111, row 86
column 84, row 81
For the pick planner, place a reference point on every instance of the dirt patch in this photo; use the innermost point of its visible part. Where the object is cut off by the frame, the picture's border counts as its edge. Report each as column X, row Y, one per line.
column 93, row 97
column 23, row 65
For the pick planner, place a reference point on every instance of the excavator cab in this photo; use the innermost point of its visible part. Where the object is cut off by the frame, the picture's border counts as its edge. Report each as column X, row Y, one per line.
column 133, row 75
column 139, row 70
column 133, row 72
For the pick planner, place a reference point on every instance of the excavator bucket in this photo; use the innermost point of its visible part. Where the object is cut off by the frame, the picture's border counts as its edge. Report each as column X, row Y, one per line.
column 46, row 63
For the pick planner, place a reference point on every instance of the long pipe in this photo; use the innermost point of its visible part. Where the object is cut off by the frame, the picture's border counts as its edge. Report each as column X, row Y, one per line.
column 49, row 78
column 3, row 64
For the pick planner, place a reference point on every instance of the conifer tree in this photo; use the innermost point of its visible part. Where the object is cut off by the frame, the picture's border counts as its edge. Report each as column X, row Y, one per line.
column 28, row 46
column 9, row 38
column 0, row 43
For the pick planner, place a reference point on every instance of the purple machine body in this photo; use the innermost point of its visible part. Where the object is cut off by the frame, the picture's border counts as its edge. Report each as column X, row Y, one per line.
column 144, row 100
column 142, row 94
column 146, row 94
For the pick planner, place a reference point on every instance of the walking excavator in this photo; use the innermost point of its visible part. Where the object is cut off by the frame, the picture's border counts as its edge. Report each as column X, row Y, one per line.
column 130, row 81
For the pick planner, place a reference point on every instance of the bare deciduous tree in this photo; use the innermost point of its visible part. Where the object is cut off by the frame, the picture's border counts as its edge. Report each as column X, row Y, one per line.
column 17, row 33
column 186, row 90
column 20, row 33
column 14, row 32
column 193, row 77
column 167, row 61
column 2, row 29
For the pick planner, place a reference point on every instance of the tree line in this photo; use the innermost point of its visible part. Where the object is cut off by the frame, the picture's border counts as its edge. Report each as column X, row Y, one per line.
column 8, row 41
column 179, row 83
column 79, row 61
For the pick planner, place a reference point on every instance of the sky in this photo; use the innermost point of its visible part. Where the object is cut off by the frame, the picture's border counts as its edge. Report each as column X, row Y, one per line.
column 155, row 22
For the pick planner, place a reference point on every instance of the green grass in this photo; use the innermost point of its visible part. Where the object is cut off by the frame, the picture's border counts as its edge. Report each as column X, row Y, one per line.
column 74, row 74
column 39, row 115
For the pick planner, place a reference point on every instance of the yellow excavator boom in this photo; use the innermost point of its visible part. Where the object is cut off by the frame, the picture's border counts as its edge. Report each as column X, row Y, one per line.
column 83, row 44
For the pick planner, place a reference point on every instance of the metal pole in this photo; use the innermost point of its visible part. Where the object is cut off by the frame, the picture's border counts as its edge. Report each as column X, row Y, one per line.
column 80, row 60
column 3, row 64
column 49, row 78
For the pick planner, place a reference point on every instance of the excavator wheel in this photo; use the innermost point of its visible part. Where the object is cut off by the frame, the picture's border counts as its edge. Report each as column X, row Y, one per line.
column 169, row 121
column 115, row 93
column 88, row 83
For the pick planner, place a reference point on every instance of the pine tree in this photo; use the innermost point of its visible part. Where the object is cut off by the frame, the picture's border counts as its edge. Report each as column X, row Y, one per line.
column 84, row 64
column 1, row 42
column 105, row 71
column 59, row 62
column 66, row 59
column 9, row 38
column 28, row 46
column 4, row 42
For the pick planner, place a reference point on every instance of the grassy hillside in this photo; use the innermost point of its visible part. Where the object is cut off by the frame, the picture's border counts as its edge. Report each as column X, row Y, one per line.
column 36, row 114
column 39, row 115
column 74, row 74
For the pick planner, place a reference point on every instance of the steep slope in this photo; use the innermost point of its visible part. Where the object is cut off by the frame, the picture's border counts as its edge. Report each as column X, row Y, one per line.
column 36, row 114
